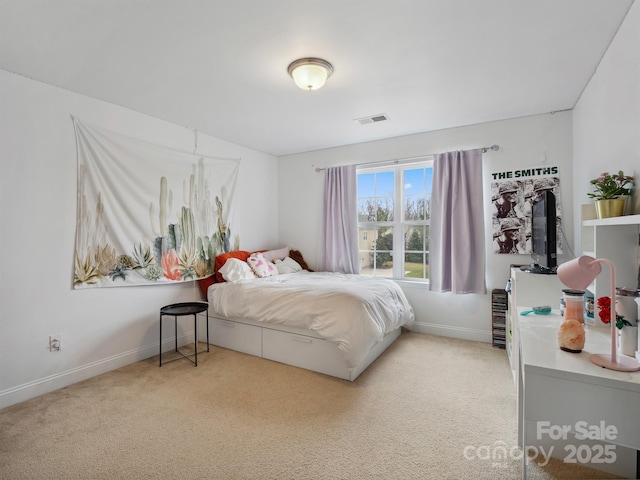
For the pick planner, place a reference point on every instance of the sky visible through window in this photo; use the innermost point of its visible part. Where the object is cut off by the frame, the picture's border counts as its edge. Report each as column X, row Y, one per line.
column 416, row 182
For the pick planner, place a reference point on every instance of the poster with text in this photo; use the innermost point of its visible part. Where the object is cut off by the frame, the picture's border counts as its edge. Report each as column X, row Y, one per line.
column 513, row 193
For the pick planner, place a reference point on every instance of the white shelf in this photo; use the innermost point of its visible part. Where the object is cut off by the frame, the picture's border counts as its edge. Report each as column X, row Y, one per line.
column 616, row 239
column 624, row 220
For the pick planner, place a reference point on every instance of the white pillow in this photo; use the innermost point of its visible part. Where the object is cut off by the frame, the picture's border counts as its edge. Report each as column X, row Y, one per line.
column 261, row 266
column 272, row 255
column 235, row 270
column 288, row 265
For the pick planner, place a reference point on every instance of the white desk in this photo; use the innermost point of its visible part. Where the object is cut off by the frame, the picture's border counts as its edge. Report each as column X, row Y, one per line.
column 559, row 389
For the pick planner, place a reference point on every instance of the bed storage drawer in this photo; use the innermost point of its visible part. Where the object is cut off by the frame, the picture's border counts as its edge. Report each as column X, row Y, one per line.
column 236, row 336
column 303, row 351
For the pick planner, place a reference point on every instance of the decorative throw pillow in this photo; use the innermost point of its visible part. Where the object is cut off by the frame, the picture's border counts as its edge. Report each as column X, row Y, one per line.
column 260, row 266
column 288, row 265
column 222, row 259
column 271, row 255
column 235, row 270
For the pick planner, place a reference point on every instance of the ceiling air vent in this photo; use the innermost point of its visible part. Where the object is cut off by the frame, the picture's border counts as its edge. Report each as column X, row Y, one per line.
column 372, row 119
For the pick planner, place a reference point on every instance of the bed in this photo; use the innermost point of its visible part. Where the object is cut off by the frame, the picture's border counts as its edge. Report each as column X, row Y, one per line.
column 269, row 306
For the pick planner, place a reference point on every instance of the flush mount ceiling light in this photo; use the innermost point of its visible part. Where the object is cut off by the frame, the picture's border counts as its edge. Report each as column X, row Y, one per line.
column 310, row 73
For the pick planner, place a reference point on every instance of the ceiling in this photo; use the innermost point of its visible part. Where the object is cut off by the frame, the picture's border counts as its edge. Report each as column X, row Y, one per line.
column 220, row 66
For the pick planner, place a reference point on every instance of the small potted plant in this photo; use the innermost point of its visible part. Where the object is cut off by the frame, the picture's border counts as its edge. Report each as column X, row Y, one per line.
column 611, row 193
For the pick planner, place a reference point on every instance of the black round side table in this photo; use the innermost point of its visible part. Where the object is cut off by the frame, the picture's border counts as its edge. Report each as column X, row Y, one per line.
column 179, row 310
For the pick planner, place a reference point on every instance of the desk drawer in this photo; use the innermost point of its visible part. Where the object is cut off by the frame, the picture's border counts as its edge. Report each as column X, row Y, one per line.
column 236, row 336
column 565, row 402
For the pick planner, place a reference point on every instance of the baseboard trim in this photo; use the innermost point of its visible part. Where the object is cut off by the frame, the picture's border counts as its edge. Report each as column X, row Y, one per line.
column 33, row 389
column 450, row 331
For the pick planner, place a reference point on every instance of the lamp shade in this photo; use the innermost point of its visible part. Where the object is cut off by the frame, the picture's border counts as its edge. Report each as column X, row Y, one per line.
column 310, row 73
column 579, row 272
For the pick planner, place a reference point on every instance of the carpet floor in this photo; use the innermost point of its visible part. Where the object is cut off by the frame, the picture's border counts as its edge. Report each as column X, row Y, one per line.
column 428, row 408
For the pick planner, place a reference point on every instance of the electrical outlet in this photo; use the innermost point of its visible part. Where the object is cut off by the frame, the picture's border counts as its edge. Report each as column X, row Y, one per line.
column 55, row 342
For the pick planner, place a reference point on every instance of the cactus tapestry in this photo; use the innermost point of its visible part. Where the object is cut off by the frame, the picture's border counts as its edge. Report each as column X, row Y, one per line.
column 146, row 214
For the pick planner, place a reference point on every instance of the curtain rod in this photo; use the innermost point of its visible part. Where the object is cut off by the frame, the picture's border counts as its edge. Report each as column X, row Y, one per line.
column 493, row 147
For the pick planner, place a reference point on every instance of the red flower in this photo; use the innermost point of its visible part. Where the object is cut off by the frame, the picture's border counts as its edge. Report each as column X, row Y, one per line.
column 605, row 316
column 604, row 305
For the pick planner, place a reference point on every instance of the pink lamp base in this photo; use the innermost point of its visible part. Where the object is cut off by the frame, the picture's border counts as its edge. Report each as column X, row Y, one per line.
column 621, row 363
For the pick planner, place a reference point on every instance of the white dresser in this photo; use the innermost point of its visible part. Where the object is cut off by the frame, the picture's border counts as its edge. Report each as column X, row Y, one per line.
column 562, row 392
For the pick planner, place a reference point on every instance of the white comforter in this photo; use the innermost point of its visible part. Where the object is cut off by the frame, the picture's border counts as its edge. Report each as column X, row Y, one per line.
column 354, row 311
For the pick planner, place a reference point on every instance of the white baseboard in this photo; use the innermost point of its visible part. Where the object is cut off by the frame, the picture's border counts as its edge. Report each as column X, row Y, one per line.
column 453, row 332
column 33, row 389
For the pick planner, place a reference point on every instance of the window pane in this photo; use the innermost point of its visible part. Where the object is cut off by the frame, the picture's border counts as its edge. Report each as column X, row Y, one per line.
column 384, row 209
column 366, row 209
column 414, row 181
column 416, row 248
column 416, row 208
column 366, row 185
column 417, row 193
column 376, row 196
column 376, row 253
column 385, row 184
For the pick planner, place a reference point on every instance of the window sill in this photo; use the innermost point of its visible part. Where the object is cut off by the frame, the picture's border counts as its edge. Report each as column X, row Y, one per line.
column 404, row 282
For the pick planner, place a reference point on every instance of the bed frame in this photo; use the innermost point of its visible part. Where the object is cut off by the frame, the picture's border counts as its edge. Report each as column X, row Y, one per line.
column 293, row 346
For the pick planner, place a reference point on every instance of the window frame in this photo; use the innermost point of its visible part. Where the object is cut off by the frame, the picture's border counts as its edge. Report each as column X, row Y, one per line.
column 399, row 224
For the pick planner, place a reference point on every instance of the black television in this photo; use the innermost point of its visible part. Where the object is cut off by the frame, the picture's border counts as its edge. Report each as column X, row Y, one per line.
column 543, row 234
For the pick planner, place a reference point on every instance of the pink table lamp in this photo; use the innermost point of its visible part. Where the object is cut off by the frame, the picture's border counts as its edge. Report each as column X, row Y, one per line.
column 578, row 274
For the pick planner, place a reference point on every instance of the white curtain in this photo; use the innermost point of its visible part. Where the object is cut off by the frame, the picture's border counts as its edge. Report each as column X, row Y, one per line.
column 457, row 238
column 338, row 250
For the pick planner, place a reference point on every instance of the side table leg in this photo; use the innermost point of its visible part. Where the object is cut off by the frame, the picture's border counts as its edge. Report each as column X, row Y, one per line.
column 195, row 340
column 175, row 327
column 206, row 319
column 160, row 348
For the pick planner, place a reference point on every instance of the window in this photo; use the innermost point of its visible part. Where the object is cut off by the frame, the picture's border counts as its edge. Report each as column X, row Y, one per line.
column 393, row 220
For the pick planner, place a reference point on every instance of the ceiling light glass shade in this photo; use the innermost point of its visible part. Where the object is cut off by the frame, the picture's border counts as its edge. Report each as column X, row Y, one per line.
column 310, row 73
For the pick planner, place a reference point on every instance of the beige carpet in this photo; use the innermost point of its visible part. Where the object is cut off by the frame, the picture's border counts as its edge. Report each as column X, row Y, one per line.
column 409, row 416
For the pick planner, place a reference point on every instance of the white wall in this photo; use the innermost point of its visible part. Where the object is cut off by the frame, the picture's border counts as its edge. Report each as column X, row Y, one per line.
column 606, row 125
column 524, row 142
column 102, row 328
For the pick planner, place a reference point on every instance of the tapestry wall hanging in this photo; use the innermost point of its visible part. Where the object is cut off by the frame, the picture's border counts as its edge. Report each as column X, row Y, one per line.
column 512, row 195
column 146, row 214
